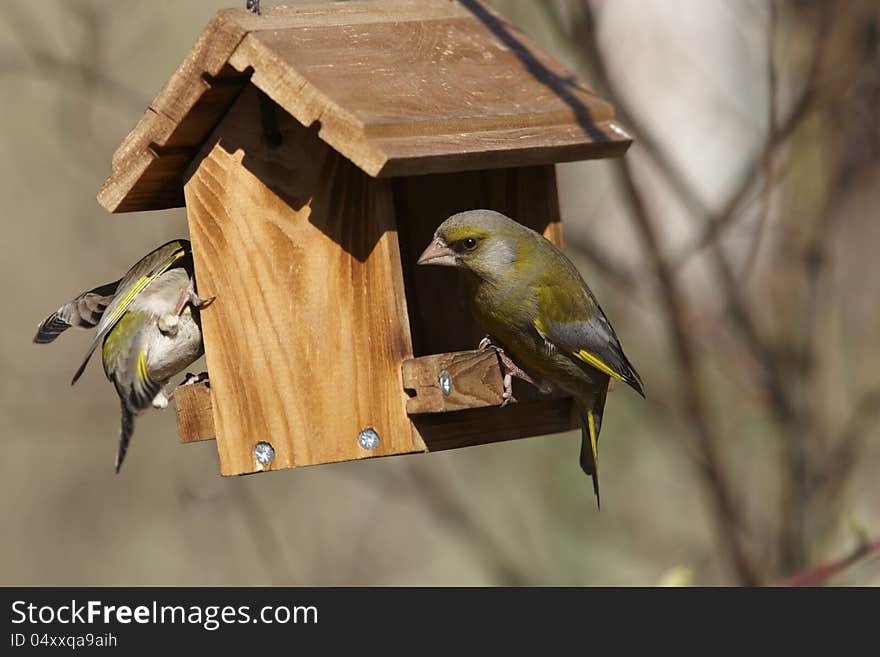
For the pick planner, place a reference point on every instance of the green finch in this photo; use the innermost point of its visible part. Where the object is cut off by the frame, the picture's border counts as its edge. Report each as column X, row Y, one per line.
column 534, row 304
column 148, row 324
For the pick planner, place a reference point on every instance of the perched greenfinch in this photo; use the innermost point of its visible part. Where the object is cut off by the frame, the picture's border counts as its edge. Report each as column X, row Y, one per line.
column 149, row 325
column 534, row 304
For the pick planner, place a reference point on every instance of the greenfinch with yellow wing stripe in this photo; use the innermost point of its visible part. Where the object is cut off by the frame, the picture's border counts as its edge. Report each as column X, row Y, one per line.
column 147, row 324
column 534, row 303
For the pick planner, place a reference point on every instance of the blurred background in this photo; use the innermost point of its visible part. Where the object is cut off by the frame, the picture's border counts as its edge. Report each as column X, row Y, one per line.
column 732, row 248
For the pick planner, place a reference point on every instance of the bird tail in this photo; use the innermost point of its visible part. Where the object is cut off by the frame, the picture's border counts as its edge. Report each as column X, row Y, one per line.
column 591, row 423
column 124, row 435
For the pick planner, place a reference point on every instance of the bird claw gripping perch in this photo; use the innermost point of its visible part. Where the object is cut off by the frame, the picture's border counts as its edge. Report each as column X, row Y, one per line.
column 509, row 368
column 162, row 399
column 190, row 296
column 192, row 379
column 170, row 322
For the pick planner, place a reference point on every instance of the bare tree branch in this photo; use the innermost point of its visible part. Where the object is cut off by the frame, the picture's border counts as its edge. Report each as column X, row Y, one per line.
column 805, row 104
column 728, row 521
column 820, row 574
column 772, row 130
column 848, row 445
column 47, row 64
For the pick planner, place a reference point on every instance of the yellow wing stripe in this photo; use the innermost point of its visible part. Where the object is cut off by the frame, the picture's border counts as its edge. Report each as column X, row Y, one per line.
column 139, row 286
column 600, row 365
column 584, row 355
column 591, row 425
column 142, row 366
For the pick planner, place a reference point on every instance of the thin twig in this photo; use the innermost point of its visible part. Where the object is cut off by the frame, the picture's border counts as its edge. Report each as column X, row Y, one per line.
column 848, row 444
column 44, row 63
column 803, row 107
column 773, row 379
column 618, row 275
column 729, row 523
column 772, row 130
column 439, row 497
column 820, row 574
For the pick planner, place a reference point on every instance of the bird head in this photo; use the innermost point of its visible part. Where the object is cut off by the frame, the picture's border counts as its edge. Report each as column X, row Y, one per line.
column 483, row 242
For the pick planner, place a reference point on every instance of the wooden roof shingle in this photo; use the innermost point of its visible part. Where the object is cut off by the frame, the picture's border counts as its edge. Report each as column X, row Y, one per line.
column 399, row 87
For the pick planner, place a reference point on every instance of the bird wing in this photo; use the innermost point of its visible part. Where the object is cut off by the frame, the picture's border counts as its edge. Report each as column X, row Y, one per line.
column 138, row 278
column 85, row 311
column 575, row 324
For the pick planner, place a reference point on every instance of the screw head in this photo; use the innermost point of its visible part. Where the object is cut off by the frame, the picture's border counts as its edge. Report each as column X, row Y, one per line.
column 368, row 438
column 445, row 380
column 264, row 453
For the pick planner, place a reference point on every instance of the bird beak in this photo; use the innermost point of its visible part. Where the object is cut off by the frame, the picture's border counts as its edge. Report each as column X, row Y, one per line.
column 438, row 253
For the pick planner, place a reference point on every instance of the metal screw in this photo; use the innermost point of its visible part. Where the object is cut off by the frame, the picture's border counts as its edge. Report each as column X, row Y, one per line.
column 368, row 438
column 445, row 382
column 264, row 453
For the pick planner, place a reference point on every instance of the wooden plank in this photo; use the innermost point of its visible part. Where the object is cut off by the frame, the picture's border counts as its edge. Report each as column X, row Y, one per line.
column 183, row 114
column 343, row 14
column 399, row 87
column 440, row 319
column 305, row 339
column 476, row 384
column 481, row 426
column 491, row 149
column 474, row 379
column 457, row 92
column 195, row 418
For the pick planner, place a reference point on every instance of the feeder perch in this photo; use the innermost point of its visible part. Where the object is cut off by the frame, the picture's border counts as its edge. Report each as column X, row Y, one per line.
column 316, row 148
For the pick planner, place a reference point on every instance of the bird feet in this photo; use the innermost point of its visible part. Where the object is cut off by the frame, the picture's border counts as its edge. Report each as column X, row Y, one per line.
column 192, row 379
column 161, row 400
column 509, row 368
column 486, row 343
column 190, row 297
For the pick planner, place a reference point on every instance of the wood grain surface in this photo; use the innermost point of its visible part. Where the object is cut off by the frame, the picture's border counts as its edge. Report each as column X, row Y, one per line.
column 399, row 87
column 474, row 376
column 305, row 339
column 195, row 412
column 470, row 415
column 492, row 424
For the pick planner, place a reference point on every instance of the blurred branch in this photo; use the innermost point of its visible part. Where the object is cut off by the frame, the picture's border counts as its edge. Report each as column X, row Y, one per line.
column 784, row 128
column 438, row 497
column 847, row 446
column 729, row 524
column 585, row 31
column 46, row 64
column 617, row 274
column 696, row 405
column 772, row 131
column 259, row 520
column 451, row 512
column 822, row 573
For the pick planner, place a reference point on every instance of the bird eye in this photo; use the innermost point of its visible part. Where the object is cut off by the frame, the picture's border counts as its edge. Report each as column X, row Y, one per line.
column 469, row 243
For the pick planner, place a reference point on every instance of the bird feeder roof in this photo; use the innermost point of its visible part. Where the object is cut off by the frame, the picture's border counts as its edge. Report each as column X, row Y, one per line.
column 399, row 87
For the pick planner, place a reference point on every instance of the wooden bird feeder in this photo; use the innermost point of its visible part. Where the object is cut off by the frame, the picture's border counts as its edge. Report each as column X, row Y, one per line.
column 316, row 149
